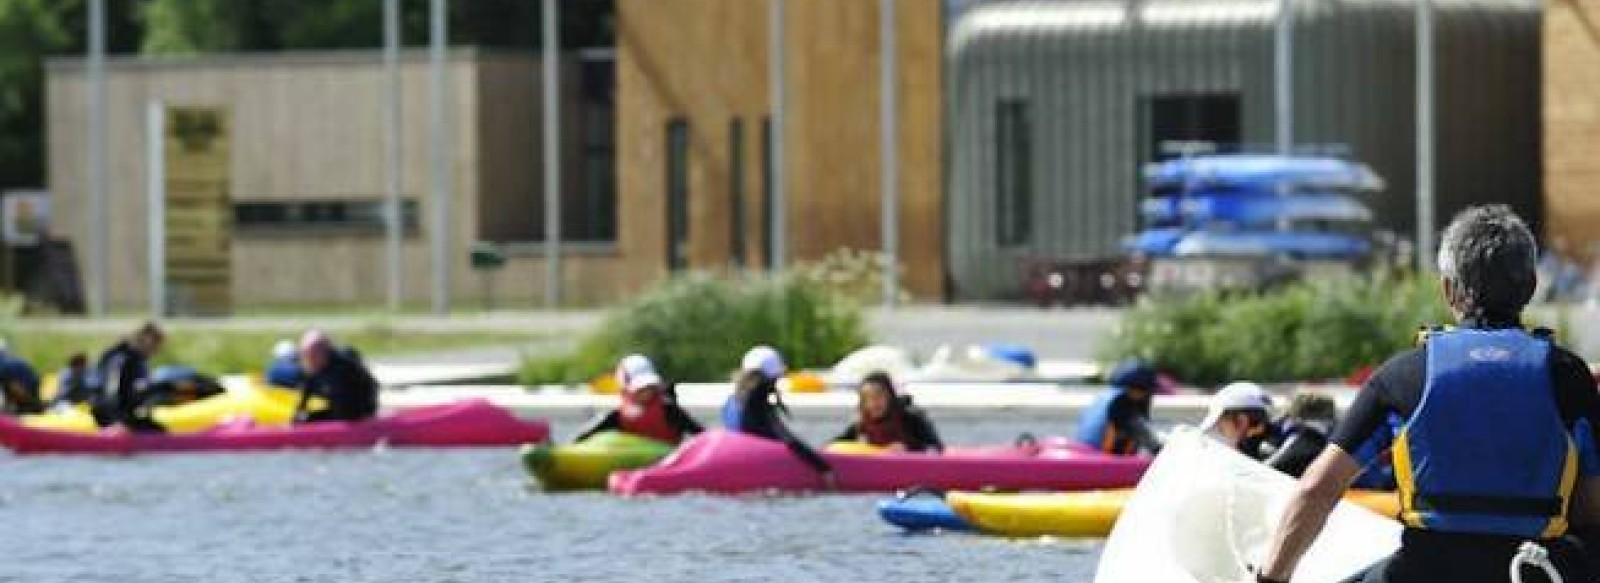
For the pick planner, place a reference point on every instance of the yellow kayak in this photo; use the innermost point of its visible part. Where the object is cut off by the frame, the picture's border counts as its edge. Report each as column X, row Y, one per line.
column 254, row 399
column 1083, row 514
column 587, row 465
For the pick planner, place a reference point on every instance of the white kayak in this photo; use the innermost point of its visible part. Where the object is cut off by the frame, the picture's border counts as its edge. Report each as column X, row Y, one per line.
column 1204, row 513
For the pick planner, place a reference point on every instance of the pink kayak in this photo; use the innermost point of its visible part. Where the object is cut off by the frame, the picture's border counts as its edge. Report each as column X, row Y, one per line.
column 722, row 462
column 464, row 424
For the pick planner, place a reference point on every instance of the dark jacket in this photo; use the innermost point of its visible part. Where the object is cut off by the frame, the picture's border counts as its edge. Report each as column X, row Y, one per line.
column 347, row 386
column 612, row 421
column 1301, row 444
column 759, row 416
column 21, row 386
column 118, row 381
column 918, row 431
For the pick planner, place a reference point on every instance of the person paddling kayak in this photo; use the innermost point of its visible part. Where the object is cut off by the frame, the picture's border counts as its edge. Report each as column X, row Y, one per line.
column 1241, row 414
column 754, row 407
column 888, row 419
column 1487, row 459
column 338, row 376
column 1118, row 422
column 648, row 409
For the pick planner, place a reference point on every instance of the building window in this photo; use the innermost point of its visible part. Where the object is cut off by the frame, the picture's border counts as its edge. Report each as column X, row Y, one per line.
column 329, row 216
column 677, row 194
column 1184, row 123
column 736, row 192
column 766, row 192
column 1014, row 174
column 594, row 216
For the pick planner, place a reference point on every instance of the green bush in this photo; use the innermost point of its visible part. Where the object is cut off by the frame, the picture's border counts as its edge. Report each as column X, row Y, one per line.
column 697, row 327
column 1302, row 331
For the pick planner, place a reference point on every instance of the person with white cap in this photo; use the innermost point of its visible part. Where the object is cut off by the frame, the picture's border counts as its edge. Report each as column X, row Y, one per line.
column 648, row 408
column 1241, row 414
column 19, row 384
column 754, row 407
column 338, row 376
column 284, row 369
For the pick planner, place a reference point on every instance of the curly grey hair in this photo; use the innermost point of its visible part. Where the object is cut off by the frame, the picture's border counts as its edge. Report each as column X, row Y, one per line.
column 1489, row 257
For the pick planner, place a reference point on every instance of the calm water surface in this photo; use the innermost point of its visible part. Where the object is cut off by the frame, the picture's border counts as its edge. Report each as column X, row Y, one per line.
column 463, row 516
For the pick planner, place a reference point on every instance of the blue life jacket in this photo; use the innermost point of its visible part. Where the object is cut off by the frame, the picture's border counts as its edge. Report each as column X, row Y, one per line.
column 284, row 372
column 733, row 414
column 1486, row 451
column 1096, row 430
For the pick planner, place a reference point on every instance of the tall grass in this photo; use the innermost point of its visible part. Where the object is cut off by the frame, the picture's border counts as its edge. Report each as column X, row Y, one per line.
column 696, row 328
column 1303, row 331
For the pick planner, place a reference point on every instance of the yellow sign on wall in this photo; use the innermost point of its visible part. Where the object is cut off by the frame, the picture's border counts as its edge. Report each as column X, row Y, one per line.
column 199, row 211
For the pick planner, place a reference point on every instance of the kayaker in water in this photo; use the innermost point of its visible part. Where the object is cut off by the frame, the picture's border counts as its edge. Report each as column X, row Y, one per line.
column 19, row 383
column 1489, row 410
column 121, row 377
column 1302, row 432
column 1118, row 422
column 1241, row 414
column 283, row 371
column 337, row 375
column 72, row 383
column 754, row 408
column 648, row 409
column 888, row 419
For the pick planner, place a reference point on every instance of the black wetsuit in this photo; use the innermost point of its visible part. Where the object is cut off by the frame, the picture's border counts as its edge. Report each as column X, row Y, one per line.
column 1427, row 555
column 612, row 421
column 346, row 385
column 122, row 374
column 915, row 429
column 759, row 416
column 1299, row 444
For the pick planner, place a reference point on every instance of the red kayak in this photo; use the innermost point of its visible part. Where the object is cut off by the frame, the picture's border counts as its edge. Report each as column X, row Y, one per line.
column 722, row 462
column 474, row 423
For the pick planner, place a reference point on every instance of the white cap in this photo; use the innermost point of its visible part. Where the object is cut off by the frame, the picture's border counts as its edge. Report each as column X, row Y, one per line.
column 635, row 371
column 765, row 359
column 283, row 349
column 1239, row 396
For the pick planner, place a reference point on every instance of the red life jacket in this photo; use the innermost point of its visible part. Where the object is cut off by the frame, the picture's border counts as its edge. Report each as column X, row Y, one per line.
column 886, row 431
column 647, row 419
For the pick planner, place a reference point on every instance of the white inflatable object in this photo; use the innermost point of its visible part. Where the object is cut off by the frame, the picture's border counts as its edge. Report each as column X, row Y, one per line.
column 970, row 364
column 857, row 365
column 1203, row 513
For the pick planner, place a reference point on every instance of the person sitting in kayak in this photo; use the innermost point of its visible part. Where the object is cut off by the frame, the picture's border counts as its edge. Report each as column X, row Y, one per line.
column 889, row 420
column 338, row 376
column 1118, row 422
column 1491, row 458
column 1302, row 433
column 72, row 383
column 754, row 408
column 1241, row 415
column 283, row 371
column 120, row 378
column 648, row 409
column 19, row 384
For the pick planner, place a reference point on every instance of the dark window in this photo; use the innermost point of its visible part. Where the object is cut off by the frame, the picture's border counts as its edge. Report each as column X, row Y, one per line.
column 1176, row 123
column 594, row 217
column 766, row 192
column 677, row 194
column 1014, row 174
column 736, row 192
column 334, row 216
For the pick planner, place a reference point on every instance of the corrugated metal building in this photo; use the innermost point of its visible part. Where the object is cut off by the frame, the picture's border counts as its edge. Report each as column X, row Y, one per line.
column 1053, row 107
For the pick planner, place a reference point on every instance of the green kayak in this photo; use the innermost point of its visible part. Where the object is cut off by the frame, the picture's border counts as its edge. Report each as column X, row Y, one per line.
column 587, row 464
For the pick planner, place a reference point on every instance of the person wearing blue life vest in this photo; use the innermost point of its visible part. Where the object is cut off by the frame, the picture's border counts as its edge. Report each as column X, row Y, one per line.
column 1491, row 459
column 19, row 384
column 283, row 371
column 1118, row 421
column 755, row 408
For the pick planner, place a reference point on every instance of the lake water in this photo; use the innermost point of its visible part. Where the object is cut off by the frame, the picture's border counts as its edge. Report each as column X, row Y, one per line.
column 465, row 516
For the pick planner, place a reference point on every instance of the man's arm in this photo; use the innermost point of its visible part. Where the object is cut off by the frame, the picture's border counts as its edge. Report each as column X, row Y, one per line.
column 1320, row 489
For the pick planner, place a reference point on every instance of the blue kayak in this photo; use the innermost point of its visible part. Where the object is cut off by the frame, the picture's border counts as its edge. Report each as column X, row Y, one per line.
column 921, row 512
